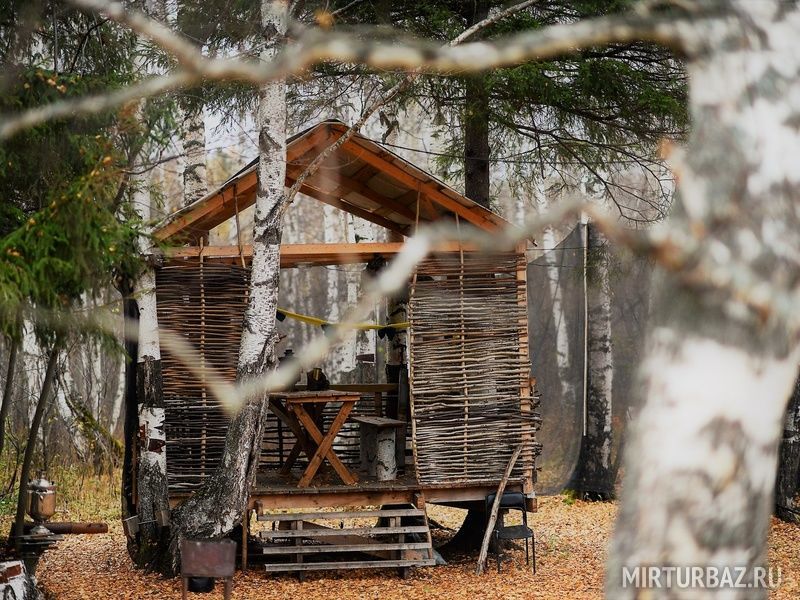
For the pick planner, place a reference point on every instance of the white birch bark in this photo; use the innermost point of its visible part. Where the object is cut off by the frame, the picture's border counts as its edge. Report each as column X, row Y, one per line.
column 119, row 397
column 66, row 385
column 217, row 507
column 151, row 472
column 700, row 466
column 342, row 357
column 195, row 181
column 559, row 323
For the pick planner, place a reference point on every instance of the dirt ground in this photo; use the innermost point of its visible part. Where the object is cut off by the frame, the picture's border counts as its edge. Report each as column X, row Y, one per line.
column 571, row 547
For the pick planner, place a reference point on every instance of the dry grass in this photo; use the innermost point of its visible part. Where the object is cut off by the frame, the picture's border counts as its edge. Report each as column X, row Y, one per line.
column 571, row 548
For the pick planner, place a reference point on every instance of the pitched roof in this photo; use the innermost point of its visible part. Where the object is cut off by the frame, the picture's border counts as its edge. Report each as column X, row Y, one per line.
column 362, row 177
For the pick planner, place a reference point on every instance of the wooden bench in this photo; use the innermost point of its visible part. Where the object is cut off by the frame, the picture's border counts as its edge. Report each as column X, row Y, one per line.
column 378, row 439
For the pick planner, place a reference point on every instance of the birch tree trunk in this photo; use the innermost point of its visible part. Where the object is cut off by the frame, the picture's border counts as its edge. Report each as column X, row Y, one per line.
column 217, row 507
column 700, row 466
column 787, row 487
column 151, row 455
column 14, row 344
column 595, row 472
column 195, row 181
column 342, row 357
column 553, row 270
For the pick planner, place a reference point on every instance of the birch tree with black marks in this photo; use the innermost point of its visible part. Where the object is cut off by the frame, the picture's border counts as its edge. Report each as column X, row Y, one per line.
column 217, row 507
column 719, row 366
column 595, row 471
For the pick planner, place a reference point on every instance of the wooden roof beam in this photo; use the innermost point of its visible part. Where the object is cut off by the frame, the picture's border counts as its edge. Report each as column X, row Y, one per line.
column 332, row 200
column 205, row 212
column 427, row 188
column 218, row 209
column 341, row 185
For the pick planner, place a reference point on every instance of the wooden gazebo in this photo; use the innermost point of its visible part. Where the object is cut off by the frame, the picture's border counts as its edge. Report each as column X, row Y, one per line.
column 456, row 411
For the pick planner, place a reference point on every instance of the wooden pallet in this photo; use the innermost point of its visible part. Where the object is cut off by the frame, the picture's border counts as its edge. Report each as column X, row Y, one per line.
column 300, row 543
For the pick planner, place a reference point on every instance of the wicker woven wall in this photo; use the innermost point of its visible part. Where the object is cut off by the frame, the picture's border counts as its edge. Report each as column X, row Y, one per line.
column 467, row 370
column 204, row 303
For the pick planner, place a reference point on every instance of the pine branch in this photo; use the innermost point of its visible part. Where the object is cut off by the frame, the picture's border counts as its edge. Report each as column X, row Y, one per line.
column 319, row 46
column 393, row 92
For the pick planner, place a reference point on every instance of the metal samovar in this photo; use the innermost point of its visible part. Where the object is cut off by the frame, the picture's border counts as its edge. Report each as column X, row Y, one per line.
column 41, row 502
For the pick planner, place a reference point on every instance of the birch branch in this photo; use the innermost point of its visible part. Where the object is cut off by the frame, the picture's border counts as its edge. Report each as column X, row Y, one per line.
column 319, row 46
column 392, row 93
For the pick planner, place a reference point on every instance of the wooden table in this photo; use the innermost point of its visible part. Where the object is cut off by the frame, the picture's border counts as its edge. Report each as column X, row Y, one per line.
column 290, row 407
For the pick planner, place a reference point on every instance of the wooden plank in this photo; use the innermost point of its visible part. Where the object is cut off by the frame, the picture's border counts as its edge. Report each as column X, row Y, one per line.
column 203, row 214
column 380, row 422
column 323, row 548
column 316, row 396
column 364, row 564
column 327, row 532
column 291, row 422
column 427, row 210
column 344, row 514
column 487, row 536
column 340, row 540
column 364, row 387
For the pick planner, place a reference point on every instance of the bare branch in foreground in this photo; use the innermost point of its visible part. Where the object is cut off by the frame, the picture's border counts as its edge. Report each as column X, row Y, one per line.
column 317, row 46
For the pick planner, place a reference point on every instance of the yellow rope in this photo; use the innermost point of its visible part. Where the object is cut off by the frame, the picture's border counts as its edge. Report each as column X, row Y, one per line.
column 320, row 322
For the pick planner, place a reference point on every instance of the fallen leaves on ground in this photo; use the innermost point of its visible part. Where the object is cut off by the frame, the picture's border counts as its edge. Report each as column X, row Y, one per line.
column 571, row 547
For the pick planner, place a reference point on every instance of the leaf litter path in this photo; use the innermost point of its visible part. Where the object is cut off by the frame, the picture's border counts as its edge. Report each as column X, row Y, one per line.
column 571, row 547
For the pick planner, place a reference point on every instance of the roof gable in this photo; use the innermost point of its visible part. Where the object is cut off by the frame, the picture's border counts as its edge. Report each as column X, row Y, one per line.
column 362, row 177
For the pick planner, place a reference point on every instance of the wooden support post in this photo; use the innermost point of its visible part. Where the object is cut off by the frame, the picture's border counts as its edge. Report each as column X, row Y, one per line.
column 245, row 530
column 487, row 536
column 298, row 541
column 527, row 382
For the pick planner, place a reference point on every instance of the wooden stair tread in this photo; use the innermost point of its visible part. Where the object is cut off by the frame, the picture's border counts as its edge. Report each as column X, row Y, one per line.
column 362, row 564
column 342, row 514
column 312, row 533
column 321, row 549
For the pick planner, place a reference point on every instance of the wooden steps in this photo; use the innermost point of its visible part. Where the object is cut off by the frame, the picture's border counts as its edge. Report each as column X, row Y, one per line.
column 300, row 542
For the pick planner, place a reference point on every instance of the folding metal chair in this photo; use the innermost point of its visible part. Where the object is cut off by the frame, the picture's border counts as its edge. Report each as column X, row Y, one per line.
column 512, row 501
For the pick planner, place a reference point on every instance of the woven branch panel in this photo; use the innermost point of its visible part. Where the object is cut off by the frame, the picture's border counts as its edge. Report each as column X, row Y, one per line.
column 468, row 318
column 204, row 303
